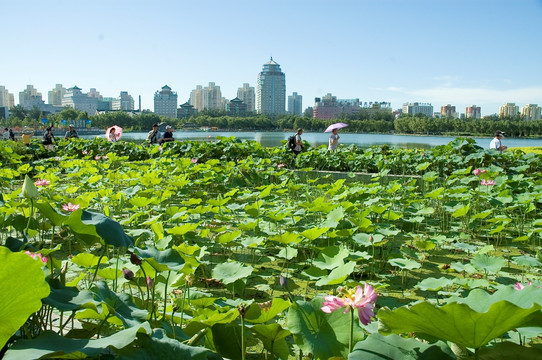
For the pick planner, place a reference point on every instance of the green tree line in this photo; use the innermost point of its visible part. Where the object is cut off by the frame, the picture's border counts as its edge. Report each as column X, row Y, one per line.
column 363, row 122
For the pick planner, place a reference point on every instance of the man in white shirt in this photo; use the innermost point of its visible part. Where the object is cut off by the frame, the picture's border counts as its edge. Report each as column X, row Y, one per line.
column 496, row 143
column 298, row 142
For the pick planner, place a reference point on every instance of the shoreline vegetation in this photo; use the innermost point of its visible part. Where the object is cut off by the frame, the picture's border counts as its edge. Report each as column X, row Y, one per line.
column 363, row 122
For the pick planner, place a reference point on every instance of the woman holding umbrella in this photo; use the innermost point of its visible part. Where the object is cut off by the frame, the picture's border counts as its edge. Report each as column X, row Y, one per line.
column 334, row 137
column 113, row 133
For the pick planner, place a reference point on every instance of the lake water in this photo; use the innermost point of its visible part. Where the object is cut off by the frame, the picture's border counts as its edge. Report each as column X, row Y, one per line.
column 271, row 139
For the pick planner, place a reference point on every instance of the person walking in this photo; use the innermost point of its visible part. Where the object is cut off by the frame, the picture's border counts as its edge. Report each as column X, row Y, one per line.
column 298, row 142
column 496, row 143
column 71, row 133
column 333, row 140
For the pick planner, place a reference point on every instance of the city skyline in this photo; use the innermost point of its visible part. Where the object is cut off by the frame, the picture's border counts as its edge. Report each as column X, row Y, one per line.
column 447, row 52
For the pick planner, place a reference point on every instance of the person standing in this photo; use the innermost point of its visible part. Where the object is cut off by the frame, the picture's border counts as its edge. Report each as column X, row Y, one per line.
column 154, row 135
column 11, row 135
column 48, row 139
column 333, row 140
column 71, row 133
column 298, row 142
column 26, row 135
column 5, row 134
column 113, row 135
column 496, row 143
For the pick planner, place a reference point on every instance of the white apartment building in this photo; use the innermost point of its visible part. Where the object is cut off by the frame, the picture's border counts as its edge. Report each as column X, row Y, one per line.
column 124, row 102
column 196, row 98
column 80, row 101
column 212, row 97
column 418, row 108
column 54, row 97
column 473, row 111
column 295, row 104
column 531, row 112
column 508, row 109
column 165, row 102
column 6, row 99
column 248, row 95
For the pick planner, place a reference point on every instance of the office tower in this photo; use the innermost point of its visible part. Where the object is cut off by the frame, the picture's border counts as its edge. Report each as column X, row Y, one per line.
column 124, row 102
column 531, row 112
column 29, row 97
column 165, row 102
column 473, row 111
column 94, row 94
column 295, row 104
column 54, row 97
column 418, row 108
column 212, row 97
column 271, row 89
column 6, row 99
column 248, row 96
column 78, row 100
column 196, row 98
column 508, row 109
column 448, row 111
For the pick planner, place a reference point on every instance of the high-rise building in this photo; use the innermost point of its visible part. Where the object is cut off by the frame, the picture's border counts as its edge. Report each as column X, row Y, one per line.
column 78, row 100
column 531, row 112
column 124, row 102
column 508, row 110
column 418, row 108
column 295, row 104
column 329, row 107
column 165, row 102
column 94, row 94
column 473, row 111
column 6, row 99
column 54, row 97
column 196, row 98
column 248, row 96
column 448, row 111
column 29, row 97
column 212, row 97
column 271, row 89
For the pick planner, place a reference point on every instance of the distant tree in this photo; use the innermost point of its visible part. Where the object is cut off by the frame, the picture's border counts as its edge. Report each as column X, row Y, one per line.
column 18, row 112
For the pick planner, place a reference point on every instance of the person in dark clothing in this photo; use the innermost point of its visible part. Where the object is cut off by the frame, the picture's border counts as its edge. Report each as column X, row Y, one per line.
column 48, row 139
column 168, row 135
column 11, row 135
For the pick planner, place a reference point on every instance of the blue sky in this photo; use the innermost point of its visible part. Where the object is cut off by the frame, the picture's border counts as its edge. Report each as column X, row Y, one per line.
column 462, row 52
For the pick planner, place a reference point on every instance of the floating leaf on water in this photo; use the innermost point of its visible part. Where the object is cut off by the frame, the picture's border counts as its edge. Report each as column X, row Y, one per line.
column 229, row 272
column 433, row 284
column 404, row 264
column 490, row 264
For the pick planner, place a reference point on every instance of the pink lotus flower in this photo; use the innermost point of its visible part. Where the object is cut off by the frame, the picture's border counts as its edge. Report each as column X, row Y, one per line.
column 70, row 207
column 477, row 172
column 280, row 166
column 362, row 299
column 488, row 182
column 520, row 286
column 84, row 152
column 104, row 157
column 160, row 148
column 42, row 182
column 484, row 171
column 150, row 283
column 97, row 157
column 36, row 256
column 193, row 160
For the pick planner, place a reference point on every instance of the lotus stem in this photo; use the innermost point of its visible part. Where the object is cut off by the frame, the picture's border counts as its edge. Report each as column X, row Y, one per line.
column 350, row 342
column 98, row 264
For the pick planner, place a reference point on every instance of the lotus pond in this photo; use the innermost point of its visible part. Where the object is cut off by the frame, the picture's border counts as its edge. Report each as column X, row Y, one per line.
column 228, row 250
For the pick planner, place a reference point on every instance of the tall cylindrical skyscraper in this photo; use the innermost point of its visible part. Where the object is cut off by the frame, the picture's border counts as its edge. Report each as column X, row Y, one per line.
column 271, row 89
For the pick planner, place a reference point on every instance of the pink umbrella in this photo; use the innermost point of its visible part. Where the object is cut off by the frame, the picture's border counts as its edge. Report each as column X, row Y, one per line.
column 113, row 133
column 337, row 126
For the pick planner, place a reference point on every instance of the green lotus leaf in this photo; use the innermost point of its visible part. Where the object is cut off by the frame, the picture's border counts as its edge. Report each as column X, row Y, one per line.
column 228, row 236
column 472, row 321
column 461, row 211
column 260, row 316
column 183, row 229
column 50, row 345
column 490, row 264
column 323, row 335
column 333, row 217
column 337, row 275
column 286, row 238
column 159, row 346
column 273, row 339
column 287, row 253
column 87, row 260
column 65, row 298
column 230, row 272
column 331, row 257
column 526, row 260
column 23, row 286
column 314, row 233
column 93, row 227
column 433, row 284
column 161, row 260
column 405, row 264
column 507, row 350
column 378, row 347
column 47, row 210
column 121, row 305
